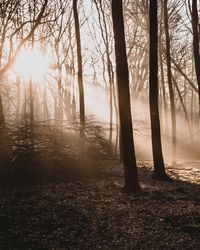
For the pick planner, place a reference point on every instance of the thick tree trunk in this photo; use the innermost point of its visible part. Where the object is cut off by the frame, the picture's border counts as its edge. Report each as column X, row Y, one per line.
column 159, row 168
column 169, row 76
column 195, row 25
column 128, row 150
column 80, row 67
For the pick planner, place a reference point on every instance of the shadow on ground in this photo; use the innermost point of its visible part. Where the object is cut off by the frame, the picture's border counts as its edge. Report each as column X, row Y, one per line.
column 92, row 212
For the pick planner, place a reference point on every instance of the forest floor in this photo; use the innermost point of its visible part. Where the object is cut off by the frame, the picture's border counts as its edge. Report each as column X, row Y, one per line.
column 93, row 212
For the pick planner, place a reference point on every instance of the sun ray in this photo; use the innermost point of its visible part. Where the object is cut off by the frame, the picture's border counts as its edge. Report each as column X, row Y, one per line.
column 31, row 64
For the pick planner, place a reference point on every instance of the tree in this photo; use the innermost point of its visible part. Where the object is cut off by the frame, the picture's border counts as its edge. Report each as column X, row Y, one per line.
column 23, row 40
column 12, row 8
column 127, row 144
column 169, row 77
column 159, row 168
column 195, row 28
column 80, row 67
column 105, row 37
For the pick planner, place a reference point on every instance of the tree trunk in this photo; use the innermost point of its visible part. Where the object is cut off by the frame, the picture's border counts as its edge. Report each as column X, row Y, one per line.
column 128, row 149
column 31, row 102
column 45, row 107
column 80, row 67
column 18, row 85
column 162, row 78
column 104, row 34
column 2, row 118
column 159, row 168
column 196, row 53
column 60, row 96
column 169, row 76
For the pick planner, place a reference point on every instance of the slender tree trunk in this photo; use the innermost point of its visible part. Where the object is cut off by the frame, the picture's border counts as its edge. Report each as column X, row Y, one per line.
column 163, row 111
column 111, row 112
column 169, row 76
column 183, row 103
column 128, row 149
column 162, row 78
column 195, row 25
column 103, row 26
column 60, row 97
column 55, row 111
column 31, row 102
column 80, row 67
column 192, row 107
column 18, row 85
column 162, row 82
column 45, row 107
column 159, row 167
column 2, row 118
column 117, row 117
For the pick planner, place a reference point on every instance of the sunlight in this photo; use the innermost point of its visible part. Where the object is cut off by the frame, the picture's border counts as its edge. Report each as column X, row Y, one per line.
column 96, row 103
column 31, row 64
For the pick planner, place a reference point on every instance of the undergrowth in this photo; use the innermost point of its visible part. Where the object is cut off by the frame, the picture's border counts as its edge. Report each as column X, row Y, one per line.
column 43, row 150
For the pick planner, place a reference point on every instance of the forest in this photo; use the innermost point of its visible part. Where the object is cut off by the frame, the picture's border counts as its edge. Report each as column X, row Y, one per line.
column 99, row 119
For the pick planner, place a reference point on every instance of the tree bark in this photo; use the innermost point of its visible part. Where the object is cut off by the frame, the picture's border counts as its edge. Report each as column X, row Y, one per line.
column 196, row 38
column 80, row 67
column 159, row 168
column 2, row 118
column 127, row 144
column 169, row 76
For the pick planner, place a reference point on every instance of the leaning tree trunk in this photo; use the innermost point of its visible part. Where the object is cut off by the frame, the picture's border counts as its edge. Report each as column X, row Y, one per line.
column 127, row 144
column 195, row 26
column 159, row 168
column 80, row 67
column 169, row 77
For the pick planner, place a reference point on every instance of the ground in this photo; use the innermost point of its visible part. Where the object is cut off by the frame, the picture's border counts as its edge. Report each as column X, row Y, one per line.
column 93, row 212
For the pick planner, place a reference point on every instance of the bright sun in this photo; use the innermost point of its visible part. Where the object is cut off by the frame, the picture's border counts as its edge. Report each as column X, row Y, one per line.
column 31, row 64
